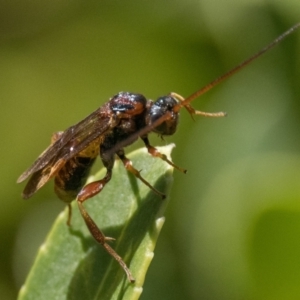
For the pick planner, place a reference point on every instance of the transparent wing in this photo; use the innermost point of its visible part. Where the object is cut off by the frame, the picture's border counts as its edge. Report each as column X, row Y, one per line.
column 72, row 141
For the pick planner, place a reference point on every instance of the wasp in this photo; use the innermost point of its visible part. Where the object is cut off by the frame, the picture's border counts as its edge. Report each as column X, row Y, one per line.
column 106, row 132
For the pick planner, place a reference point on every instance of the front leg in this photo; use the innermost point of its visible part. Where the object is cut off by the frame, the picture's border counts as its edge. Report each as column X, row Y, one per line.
column 130, row 168
column 154, row 152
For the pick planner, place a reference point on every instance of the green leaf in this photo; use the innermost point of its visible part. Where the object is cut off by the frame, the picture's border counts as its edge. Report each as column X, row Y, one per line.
column 71, row 265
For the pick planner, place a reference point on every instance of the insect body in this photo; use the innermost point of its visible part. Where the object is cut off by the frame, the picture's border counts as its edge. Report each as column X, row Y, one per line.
column 115, row 125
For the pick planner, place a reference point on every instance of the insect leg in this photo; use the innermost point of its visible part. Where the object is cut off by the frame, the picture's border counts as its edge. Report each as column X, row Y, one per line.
column 192, row 111
column 154, row 152
column 69, row 214
column 102, row 239
column 89, row 191
column 129, row 167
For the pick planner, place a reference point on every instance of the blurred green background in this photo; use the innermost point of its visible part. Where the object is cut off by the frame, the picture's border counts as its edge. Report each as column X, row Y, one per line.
column 233, row 223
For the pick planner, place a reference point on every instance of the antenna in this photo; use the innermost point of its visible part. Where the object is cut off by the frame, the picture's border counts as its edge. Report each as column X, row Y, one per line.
column 234, row 70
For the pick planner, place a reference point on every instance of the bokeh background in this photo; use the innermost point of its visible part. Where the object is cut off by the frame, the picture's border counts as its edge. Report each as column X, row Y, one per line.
column 233, row 223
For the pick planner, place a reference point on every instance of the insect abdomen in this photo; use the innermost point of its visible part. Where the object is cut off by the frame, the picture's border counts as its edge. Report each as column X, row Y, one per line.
column 72, row 177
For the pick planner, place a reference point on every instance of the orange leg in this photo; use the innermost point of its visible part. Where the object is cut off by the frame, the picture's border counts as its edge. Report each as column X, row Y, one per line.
column 89, row 191
column 93, row 188
column 102, row 239
column 129, row 167
column 154, row 152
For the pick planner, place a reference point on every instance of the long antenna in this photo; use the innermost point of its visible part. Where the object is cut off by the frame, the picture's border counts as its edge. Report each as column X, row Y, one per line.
column 185, row 102
column 235, row 69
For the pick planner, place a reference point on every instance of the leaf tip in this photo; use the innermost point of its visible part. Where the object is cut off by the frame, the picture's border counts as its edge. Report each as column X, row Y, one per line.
column 159, row 223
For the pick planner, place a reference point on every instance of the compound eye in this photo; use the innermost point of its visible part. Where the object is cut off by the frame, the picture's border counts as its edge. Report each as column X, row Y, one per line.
column 167, row 103
column 160, row 107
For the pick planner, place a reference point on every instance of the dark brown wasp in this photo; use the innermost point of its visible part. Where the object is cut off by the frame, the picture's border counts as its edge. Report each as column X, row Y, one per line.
column 115, row 125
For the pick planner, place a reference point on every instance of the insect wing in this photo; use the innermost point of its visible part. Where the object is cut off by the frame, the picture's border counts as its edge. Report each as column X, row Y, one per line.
column 72, row 141
column 39, row 178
